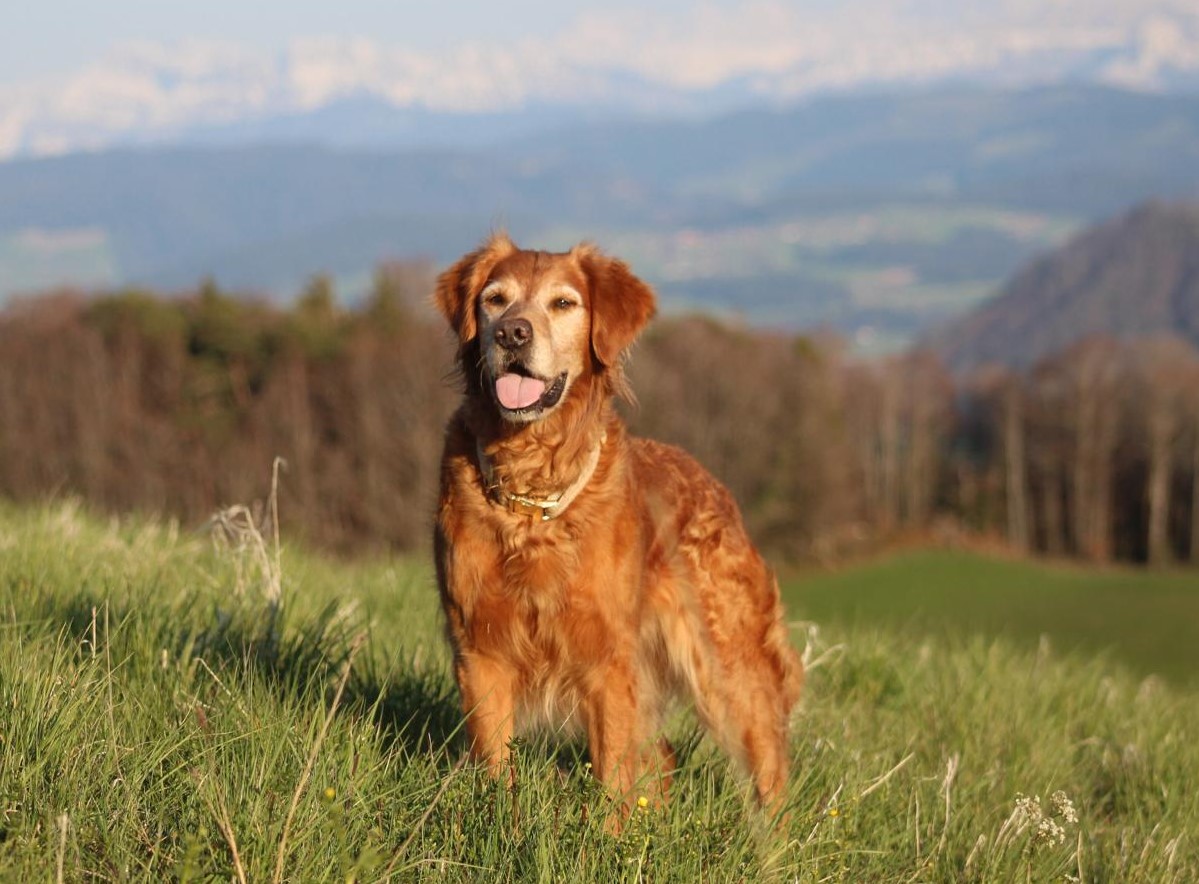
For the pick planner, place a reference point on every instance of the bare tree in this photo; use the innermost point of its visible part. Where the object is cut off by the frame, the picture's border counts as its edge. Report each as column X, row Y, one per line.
column 1019, row 534
column 863, row 415
column 1194, row 548
column 927, row 407
column 1049, row 444
column 1090, row 371
column 1162, row 371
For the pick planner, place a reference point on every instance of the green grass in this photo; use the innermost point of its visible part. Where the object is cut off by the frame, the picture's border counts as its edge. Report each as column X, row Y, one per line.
column 158, row 722
column 1146, row 620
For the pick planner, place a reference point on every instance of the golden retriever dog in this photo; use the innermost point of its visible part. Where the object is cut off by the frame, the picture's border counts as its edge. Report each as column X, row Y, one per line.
column 588, row 577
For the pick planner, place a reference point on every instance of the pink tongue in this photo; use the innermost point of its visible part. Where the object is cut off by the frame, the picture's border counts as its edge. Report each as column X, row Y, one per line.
column 515, row 391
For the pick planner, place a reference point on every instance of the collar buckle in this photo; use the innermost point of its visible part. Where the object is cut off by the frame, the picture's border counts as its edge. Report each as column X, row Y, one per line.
column 541, row 510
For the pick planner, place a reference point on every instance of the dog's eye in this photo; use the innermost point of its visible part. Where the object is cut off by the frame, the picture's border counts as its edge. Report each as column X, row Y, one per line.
column 563, row 304
column 495, row 299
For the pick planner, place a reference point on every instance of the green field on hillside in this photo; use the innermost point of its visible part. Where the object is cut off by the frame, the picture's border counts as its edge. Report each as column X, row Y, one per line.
column 162, row 719
column 1146, row 620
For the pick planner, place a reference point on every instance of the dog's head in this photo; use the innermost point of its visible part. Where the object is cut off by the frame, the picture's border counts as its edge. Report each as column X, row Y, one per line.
column 532, row 325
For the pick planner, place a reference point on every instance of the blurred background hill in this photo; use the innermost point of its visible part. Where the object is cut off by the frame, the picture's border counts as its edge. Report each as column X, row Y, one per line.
column 878, row 215
column 1136, row 275
column 873, row 170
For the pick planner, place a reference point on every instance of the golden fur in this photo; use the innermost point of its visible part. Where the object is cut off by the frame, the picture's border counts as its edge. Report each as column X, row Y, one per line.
column 644, row 588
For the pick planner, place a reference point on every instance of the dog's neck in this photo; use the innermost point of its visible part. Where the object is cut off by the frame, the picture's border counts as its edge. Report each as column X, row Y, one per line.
column 539, row 508
column 545, row 461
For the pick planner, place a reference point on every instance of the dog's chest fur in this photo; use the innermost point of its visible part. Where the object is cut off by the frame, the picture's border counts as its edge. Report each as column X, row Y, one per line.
column 537, row 572
column 534, row 615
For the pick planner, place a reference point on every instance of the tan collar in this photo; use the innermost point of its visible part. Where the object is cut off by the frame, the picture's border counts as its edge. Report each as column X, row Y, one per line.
column 540, row 508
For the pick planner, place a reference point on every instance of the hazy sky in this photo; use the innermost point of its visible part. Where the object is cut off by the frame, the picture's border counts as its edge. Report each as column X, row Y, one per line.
column 53, row 37
column 58, row 36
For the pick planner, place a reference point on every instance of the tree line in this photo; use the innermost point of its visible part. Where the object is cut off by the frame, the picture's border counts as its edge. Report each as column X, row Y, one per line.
column 179, row 405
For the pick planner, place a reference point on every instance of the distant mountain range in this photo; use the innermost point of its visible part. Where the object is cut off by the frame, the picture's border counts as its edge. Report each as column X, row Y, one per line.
column 364, row 92
column 1135, row 275
column 879, row 215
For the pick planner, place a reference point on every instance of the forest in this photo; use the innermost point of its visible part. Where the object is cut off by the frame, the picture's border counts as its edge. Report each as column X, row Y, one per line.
column 138, row 401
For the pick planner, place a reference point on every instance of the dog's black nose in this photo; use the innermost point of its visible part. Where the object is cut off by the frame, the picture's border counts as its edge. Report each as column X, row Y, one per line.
column 512, row 334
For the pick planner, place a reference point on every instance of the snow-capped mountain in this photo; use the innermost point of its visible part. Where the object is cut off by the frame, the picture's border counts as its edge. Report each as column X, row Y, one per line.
column 624, row 62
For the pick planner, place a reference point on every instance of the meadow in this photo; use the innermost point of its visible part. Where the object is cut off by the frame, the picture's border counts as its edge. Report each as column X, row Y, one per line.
column 1144, row 619
column 199, row 705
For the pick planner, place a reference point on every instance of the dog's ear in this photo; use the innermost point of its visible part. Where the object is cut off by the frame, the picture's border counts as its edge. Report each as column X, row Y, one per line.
column 459, row 286
column 621, row 304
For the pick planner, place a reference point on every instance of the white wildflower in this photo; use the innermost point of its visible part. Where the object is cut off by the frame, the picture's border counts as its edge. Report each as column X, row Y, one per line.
column 1028, row 809
column 1047, row 829
column 1063, row 807
column 1048, row 832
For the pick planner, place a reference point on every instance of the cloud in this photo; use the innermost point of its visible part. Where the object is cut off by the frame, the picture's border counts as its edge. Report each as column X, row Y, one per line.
column 627, row 57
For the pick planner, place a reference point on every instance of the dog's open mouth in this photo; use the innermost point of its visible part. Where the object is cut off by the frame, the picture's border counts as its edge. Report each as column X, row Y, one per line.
column 520, row 393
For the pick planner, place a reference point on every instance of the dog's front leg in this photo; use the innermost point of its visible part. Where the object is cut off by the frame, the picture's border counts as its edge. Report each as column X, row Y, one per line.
column 487, row 688
column 614, row 738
